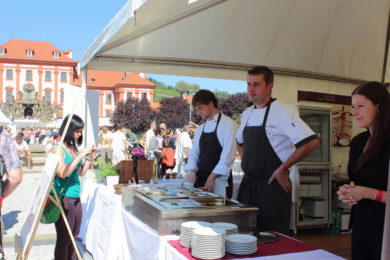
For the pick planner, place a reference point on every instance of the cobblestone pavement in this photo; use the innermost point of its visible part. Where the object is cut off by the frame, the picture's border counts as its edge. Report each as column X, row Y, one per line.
column 14, row 212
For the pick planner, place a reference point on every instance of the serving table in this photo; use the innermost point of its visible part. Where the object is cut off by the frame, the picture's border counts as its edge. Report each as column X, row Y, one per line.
column 109, row 231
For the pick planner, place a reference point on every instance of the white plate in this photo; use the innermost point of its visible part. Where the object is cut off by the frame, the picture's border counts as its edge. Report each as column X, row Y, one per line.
column 209, row 231
column 224, row 225
column 241, row 238
column 208, row 256
column 241, row 252
column 195, row 224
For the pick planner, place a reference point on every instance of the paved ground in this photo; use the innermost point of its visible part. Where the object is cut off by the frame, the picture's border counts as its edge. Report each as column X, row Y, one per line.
column 14, row 213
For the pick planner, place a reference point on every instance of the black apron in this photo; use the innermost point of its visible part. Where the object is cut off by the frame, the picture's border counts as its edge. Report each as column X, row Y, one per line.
column 209, row 154
column 259, row 161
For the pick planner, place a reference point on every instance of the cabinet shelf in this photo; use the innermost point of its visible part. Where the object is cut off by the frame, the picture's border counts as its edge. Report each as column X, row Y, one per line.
column 311, row 182
column 311, row 196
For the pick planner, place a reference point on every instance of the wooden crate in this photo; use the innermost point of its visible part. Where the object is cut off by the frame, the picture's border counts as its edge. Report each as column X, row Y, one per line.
column 145, row 170
column 125, row 169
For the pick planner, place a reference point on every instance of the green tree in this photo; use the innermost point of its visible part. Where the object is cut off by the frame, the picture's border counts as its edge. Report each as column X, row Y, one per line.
column 221, row 94
column 184, row 86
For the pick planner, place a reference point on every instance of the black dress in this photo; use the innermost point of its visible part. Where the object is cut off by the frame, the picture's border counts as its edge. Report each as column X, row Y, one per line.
column 367, row 218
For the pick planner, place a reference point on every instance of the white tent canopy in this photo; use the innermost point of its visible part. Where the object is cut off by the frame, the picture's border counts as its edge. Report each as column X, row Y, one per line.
column 334, row 39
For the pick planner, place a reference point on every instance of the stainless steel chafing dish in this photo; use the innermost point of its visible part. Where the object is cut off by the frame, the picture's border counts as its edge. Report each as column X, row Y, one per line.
column 165, row 208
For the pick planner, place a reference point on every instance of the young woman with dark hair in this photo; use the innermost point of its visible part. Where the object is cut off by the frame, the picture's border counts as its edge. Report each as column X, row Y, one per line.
column 368, row 169
column 72, row 164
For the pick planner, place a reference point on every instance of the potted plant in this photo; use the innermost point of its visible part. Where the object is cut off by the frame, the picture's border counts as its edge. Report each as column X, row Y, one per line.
column 106, row 172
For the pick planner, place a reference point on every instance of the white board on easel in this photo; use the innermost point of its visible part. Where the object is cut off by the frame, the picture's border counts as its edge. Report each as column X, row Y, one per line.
column 23, row 239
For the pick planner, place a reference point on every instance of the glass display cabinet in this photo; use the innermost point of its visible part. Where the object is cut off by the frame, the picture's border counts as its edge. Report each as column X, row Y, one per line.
column 311, row 177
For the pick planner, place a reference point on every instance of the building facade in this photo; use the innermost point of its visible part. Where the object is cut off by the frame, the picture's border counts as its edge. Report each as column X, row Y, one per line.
column 34, row 76
column 117, row 87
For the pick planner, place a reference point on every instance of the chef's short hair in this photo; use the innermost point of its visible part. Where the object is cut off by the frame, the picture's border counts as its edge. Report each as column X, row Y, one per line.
column 203, row 97
column 263, row 70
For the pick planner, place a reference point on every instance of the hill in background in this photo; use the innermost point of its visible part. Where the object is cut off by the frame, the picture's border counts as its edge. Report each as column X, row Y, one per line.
column 163, row 91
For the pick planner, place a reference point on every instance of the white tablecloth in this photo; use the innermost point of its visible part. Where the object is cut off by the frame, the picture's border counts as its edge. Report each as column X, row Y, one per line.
column 110, row 232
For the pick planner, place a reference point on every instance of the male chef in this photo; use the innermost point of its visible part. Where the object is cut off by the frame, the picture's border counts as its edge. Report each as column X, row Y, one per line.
column 271, row 138
column 213, row 152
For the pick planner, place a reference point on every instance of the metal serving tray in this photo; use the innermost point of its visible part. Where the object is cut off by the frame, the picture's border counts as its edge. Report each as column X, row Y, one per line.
column 166, row 213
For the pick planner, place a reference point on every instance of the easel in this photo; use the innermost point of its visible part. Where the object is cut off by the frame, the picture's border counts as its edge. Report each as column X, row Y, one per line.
column 23, row 241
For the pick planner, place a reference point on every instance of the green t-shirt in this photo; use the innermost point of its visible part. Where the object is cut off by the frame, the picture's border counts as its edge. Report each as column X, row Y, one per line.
column 73, row 190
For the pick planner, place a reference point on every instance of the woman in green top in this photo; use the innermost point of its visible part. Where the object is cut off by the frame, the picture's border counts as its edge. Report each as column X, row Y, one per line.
column 70, row 166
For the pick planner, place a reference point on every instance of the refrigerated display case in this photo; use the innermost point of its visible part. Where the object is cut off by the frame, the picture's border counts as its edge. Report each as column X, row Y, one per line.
column 311, row 177
column 319, row 120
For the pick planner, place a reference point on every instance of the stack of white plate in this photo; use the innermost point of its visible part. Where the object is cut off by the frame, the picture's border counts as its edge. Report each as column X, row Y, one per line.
column 208, row 243
column 230, row 228
column 239, row 244
column 186, row 229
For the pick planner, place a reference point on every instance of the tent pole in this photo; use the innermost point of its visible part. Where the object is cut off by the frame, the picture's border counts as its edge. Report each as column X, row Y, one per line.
column 386, row 50
column 84, row 86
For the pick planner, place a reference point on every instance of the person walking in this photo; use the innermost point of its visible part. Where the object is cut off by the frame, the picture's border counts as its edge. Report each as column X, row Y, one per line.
column 168, row 153
column 150, row 141
column 106, row 152
column 118, row 144
column 71, row 165
column 183, row 147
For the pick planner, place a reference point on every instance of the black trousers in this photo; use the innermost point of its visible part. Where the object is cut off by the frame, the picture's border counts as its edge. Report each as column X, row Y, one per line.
column 366, row 243
column 73, row 211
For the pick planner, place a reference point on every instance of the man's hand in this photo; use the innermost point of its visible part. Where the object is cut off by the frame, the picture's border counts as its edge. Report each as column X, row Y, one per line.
column 209, row 185
column 282, row 178
column 191, row 176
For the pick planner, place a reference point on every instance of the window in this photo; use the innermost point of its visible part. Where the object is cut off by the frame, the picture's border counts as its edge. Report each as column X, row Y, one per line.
column 3, row 51
column 56, row 54
column 143, row 95
column 47, row 96
column 63, row 76
column 30, row 53
column 108, row 114
column 9, row 95
column 108, row 98
column 48, row 76
column 9, row 74
column 62, row 97
column 29, row 75
column 129, row 95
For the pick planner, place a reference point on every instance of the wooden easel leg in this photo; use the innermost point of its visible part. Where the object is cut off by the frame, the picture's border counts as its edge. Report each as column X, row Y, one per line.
column 67, row 226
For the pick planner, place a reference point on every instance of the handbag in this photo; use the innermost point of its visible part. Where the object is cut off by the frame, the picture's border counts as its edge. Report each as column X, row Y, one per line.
column 51, row 213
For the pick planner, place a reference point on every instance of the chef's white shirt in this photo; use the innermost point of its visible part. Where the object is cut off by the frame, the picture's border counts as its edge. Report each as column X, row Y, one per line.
column 284, row 128
column 226, row 132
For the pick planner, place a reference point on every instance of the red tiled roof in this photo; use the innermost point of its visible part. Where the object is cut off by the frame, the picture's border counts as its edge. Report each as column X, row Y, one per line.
column 98, row 78
column 43, row 51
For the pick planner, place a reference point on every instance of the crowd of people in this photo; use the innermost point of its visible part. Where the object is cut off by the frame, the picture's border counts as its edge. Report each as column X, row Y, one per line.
column 169, row 148
column 270, row 139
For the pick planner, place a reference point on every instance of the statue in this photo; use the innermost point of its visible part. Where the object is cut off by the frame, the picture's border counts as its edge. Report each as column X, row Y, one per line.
column 20, row 95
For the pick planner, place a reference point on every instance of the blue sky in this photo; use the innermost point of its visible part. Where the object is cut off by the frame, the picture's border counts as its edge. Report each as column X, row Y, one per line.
column 74, row 25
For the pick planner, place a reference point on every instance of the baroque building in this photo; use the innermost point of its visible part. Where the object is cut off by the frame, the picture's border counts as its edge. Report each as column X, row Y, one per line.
column 34, row 76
